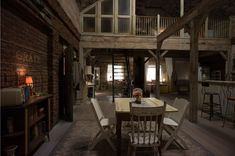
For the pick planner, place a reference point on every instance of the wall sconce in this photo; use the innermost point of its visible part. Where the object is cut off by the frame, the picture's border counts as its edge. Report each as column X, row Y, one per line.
column 21, row 72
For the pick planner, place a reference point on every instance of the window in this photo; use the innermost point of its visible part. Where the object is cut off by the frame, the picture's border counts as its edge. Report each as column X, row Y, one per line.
column 151, row 73
column 106, row 25
column 108, row 16
column 118, row 72
column 123, row 25
column 124, row 7
column 89, row 24
column 107, row 7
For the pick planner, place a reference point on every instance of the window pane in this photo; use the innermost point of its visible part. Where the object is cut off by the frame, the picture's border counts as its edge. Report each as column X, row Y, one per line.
column 107, row 7
column 106, row 24
column 124, row 7
column 91, row 11
column 151, row 73
column 89, row 24
column 118, row 72
column 123, row 25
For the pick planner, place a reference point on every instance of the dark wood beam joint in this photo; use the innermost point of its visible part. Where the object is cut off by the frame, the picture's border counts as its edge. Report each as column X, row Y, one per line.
column 147, row 60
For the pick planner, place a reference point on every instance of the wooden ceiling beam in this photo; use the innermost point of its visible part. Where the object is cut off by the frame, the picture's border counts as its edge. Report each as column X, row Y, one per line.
column 164, row 53
column 202, row 9
column 153, row 54
column 223, row 55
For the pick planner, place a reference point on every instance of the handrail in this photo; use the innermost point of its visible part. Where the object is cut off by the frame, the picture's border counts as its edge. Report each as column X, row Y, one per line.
column 153, row 25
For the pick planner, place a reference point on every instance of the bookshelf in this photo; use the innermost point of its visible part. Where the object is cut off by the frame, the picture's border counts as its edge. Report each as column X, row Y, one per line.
column 26, row 125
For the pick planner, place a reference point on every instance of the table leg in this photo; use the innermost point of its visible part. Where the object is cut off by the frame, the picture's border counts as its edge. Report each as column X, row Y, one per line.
column 119, row 135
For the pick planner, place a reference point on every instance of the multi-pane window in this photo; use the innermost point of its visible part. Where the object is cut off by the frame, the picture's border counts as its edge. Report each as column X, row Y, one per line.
column 118, row 72
column 108, row 16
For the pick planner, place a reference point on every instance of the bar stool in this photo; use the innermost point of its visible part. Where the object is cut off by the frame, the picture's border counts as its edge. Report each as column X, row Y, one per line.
column 210, row 107
column 230, row 103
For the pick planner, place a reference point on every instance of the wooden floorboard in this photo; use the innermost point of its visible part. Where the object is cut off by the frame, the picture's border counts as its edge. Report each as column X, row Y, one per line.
column 217, row 140
column 213, row 137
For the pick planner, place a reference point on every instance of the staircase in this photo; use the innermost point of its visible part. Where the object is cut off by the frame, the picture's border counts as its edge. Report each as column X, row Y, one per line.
column 121, row 64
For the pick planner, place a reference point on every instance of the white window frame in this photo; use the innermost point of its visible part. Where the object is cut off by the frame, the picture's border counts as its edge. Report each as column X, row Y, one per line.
column 115, row 17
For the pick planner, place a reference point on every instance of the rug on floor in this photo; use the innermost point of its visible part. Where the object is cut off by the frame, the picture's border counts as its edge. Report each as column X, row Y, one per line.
column 76, row 141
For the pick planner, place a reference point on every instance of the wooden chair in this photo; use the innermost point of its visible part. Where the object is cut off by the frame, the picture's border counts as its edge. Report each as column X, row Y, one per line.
column 173, row 121
column 106, row 126
column 146, row 125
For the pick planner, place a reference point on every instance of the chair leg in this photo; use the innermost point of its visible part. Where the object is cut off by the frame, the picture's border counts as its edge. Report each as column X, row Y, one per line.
column 225, row 113
column 133, row 151
column 168, row 143
column 184, row 146
column 203, row 104
column 221, row 113
column 129, row 152
column 154, row 151
column 110, row 142
column 95, row 140
column 182, row 141
column 159, row 150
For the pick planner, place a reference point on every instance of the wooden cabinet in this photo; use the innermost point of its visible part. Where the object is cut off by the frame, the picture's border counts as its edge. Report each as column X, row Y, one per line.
column 26, row 125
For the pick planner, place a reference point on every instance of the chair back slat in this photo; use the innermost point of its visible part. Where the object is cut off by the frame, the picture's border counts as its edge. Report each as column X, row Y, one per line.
column 149, row 125
column 97, row 109
column 182, row 105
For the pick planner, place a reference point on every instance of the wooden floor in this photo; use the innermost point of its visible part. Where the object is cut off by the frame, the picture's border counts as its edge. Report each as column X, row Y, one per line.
column 211, row 135
column 217, row 140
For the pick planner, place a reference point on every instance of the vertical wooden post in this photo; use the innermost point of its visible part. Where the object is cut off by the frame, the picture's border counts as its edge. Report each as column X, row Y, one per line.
column 195, row 26
column 69, row 91
column 157, row 88
column 181, row 14
column 81, row 73
column 193, row 76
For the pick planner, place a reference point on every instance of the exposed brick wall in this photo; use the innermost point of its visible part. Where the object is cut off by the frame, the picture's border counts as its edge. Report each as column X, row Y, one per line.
column 36, row 48
column 22, row 47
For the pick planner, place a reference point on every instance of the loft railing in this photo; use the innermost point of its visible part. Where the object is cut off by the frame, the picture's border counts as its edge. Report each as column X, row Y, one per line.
column 218, row 28
column 153, row 25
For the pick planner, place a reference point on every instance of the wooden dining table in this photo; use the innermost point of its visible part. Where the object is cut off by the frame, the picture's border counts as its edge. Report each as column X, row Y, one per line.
column 122, row 110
